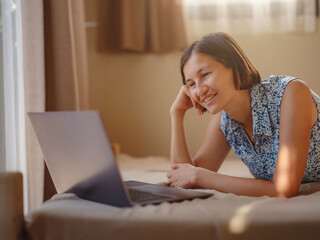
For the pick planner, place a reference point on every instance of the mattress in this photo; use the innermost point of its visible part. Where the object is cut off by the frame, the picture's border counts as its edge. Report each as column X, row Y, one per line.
column 222, row 216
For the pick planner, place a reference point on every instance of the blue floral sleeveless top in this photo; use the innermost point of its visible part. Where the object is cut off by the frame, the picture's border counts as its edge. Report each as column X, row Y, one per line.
column 265, row 105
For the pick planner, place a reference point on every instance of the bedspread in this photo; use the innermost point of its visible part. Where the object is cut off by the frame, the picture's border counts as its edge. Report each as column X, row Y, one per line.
column 222, row 216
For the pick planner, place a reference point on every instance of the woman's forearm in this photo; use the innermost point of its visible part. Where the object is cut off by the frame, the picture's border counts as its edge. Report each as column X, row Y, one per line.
column 237, row 185
column 179, row 150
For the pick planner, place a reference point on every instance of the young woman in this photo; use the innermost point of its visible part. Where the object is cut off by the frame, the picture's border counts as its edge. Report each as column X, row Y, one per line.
column 272, row 125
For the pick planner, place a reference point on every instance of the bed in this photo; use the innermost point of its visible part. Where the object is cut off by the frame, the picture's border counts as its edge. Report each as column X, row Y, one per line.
column 222, row 216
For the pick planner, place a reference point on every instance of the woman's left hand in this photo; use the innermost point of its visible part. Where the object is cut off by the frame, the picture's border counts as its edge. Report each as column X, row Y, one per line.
column 183, row 175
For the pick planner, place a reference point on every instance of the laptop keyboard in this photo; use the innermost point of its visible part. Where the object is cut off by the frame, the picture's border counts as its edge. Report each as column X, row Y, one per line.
column 141, row 196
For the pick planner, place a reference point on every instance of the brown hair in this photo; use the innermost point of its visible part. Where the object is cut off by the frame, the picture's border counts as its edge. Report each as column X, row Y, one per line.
column 224, row 49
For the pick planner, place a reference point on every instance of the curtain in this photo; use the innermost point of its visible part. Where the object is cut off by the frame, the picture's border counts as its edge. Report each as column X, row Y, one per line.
column 250, row 16
column 144, row 26
column 65, row 62
column 43, row 66
column 65, row 55
column 34, row 86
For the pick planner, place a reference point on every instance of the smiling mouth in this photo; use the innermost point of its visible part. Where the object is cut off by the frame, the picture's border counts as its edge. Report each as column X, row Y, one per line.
column 208, row 99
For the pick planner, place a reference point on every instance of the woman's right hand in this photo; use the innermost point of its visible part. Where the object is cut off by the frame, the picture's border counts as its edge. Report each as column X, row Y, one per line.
column 183, row 102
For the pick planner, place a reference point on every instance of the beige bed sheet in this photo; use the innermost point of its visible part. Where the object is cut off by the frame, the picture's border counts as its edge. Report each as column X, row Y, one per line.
column 223, row 216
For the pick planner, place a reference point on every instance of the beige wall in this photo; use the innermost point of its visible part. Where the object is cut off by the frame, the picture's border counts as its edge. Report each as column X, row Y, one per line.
column 134, row 92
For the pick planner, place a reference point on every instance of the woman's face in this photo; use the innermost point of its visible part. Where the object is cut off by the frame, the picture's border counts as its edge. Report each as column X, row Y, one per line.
column 211, row 84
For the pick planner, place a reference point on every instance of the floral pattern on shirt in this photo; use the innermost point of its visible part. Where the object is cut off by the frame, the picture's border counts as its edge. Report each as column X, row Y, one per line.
column 265, row 105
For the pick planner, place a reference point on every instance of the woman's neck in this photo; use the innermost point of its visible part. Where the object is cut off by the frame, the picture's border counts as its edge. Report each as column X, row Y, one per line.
column 240, row 108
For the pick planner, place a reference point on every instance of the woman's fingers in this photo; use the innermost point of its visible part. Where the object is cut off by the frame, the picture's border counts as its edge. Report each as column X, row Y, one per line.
column 170, row 181
column 177, row 165
column 199, row 109
column 178, row 176
column 195, row 104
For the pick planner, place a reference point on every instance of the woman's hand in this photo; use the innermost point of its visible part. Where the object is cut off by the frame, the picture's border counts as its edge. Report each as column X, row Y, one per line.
column 183, row 175
column 183, row 102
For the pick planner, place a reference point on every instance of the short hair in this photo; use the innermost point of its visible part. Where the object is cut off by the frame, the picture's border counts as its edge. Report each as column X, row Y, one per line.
column 224, row 49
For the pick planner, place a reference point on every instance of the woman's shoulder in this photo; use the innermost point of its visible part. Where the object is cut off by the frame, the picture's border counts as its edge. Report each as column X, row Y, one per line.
column 276, row 82
column 272, row 87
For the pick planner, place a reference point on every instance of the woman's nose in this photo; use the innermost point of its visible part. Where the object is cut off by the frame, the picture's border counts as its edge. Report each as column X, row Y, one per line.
column 202, row 90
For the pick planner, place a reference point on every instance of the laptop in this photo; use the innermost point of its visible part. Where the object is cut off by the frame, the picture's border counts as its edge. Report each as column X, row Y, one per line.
column 80, row 160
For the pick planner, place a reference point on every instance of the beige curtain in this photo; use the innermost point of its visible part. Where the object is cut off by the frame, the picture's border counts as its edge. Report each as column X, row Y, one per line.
column 65, row 61
column 154, row 26
column 55, row 73
column 65, row 55
column 34, row 82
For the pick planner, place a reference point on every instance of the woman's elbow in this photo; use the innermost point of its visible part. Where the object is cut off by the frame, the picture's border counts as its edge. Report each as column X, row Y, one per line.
column 286, row 194
column 286, row 191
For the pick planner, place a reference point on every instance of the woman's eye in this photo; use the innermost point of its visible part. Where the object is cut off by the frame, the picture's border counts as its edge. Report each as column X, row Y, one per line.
column 191, row 84
column 205, row 74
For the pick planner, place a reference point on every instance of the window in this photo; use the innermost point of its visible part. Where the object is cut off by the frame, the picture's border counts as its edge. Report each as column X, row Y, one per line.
column 250, row 16
column 12, row 117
